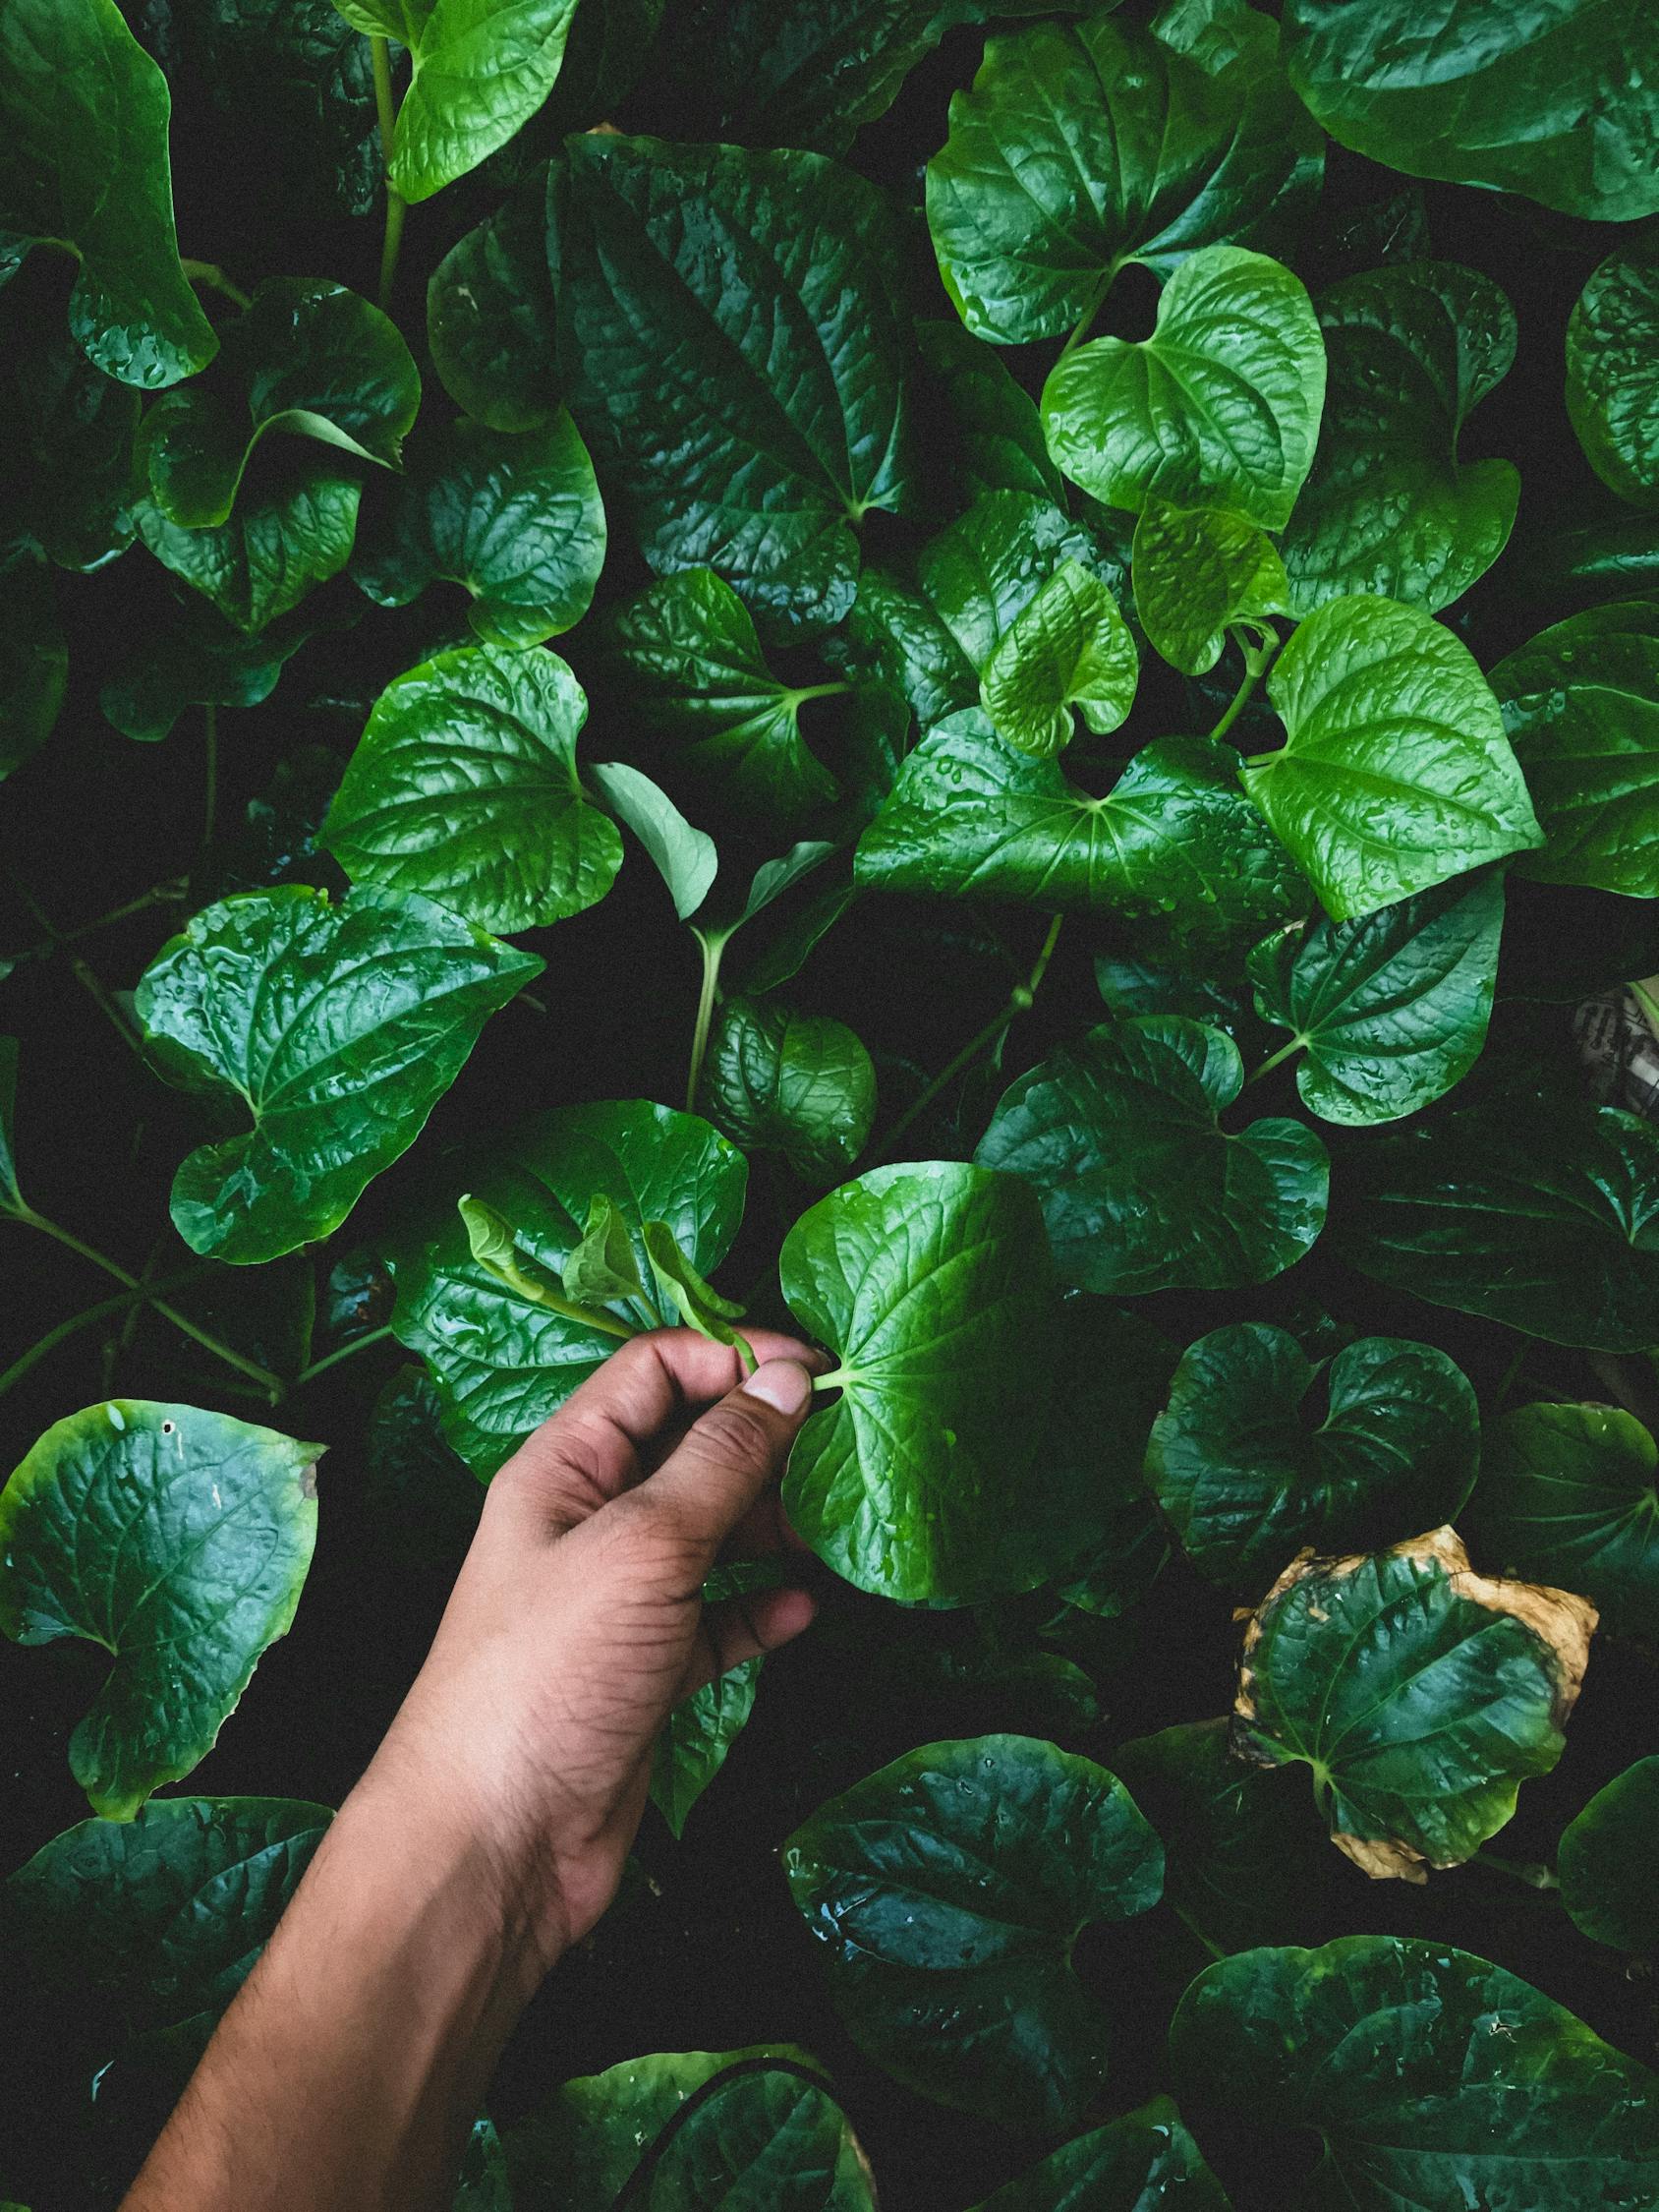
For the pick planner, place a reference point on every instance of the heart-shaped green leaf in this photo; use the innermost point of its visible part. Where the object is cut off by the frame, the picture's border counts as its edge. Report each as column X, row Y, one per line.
column 787, row 418
column 1613, row 371
column 1196, row 573
column 178, row 1541
column 1421, row 1694
column 1083, row 146
column 1391, row 1011
column 506, row 1362
column 491, row 311
column 1580, row 702
column 800, row 1084
column 308, row 359
column 287, row 536
column 932, row 1284
column 1433, row 2078
column 1067, row 647
column 1139, row 2163
column 1249, row 1473
column 1569, row 1491
column 1605, row 1863
column 1141, row 1189
column 83, row 116
column 338, row 1027
column 464, row 787
column 512, row 517
column 685, row 858
column 1412, row 351
column 948, row 1890
column 1396, row 772
column 1218, row 408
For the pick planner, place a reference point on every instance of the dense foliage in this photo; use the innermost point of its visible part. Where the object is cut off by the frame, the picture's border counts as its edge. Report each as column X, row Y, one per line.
column 977, row 675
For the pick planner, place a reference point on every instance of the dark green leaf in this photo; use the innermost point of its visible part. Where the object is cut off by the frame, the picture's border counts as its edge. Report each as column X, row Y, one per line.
column 1613, row 371
column 1385, row 708
column 796, row 1084
column 309, row 359
column 924, row 1480
column 178, row 1541
column 1114, row 1370
column 190, row 656
column 697, row 1735
column 1606, row 1862
column 1557, row 101
column 949, row 1890
column 1412, row 350
column 1067, row 647
column 767, row 284
column 464, row 787
column 70, row 477
column 478, row 69
column 1218, row 408
column 1137, row 2164
column 11, row 1195
column 33, row 663
column 1421, row 1694
column 1195, row 575
column 490, row 313
column 1435, row 2081
column 1141, row 1189
column 1580, row 702
column 1552, row 1227
column 1249, row 1473
column 685, row 858
column 1085, row 146
column 339, row 1028
column 1391, row 1011
column 505, row 1361
column 284, row 537
column 83, row 116
column 1001, row 429
column 1567, row 1491
column 512, row 517
column 1174, row 841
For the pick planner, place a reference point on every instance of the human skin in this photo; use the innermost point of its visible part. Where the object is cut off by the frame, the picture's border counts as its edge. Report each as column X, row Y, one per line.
column 490, row 1830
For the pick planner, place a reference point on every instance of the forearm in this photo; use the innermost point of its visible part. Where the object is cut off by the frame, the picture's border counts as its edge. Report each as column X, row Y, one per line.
column 350, row 2067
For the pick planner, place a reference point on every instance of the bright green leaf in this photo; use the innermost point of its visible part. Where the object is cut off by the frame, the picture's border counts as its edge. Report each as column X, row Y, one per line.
column 685, row 858
column 1605, row 1863
column 602, row 1268
column 1613, row 371
column 681, row 1290
column 1197, row 573
column 1067, row 647
column 286, row 537
column 800, row 1084
column 178, row 1541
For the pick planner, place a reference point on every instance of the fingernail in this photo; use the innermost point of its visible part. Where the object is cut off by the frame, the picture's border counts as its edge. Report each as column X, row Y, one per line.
column 782, row 1383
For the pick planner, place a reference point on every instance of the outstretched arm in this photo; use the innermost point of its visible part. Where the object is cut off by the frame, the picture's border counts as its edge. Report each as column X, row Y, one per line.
column 490, row 1830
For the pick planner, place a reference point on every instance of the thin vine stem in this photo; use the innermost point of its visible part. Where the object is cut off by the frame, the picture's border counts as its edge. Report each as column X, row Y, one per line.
column 212, row 278
column 712, row 949
column 123, row 1302
column 158, row 895
column 1020, row 1000
column 385, row 111
column 1276, row 1060
column 1256, row 665
column 210, row 795
column 1533, row 1877
column 345, row 1352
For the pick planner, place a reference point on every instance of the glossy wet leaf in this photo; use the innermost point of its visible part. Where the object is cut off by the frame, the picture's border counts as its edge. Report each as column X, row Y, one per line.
column 1557, row 102
column 514, row 519
column 1139, row 2163
column 150, row 1925
column 1580, row 702
column 1245, row 1861
column 1552, row 1227
column 490, row 313
column 464, row 787
column 1082, row 146
column 1068, row 646
column 684, row 857
column 1387, row 1012
column 478, row 69
column 1569, row 1491
column 741, row 356
column 84, row 115
column 1140, row 1187
column 1260, row 1451
column 1218, row 408
column 947, row 1890
column 1196, row 574
column 1421, row 1694
column 286, row 537
column 309, row 359
column 1388, row 507
column 1612, row 374
column 1396, row 772
column 693, row 1742
column 1175, row 841
column 506, row 1362
column 1605, row 1863
column 696, row 674
column 69, row 477
column 799, row 1084
column 34, row 664
column 1435, row 2079
column 703, row 2131
column 337, row 1027
column 178, row 1540
column 923, row 1479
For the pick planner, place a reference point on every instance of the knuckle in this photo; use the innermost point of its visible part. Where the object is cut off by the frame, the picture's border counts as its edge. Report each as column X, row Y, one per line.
column 735, row 1433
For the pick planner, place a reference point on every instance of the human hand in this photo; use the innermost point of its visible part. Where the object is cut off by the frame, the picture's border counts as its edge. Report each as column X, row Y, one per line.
column 577, row 1622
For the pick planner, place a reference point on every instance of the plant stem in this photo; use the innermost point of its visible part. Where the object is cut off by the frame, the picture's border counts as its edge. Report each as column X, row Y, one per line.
column 1085, row 321
column 346, row 1352
column 385, row 110
column 1275, row 1060
column 158, row 895
column 210, row 800
column 212, row 278
column 1533, row 1876
column 106, row 1006
column 272, row 1383
column 1256, row 665
column 799, row 697
column 713, row 948
column 1020, row 999
column 123, row 1302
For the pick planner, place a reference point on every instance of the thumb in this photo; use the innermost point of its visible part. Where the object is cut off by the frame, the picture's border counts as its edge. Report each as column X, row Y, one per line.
column 726, row 1459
